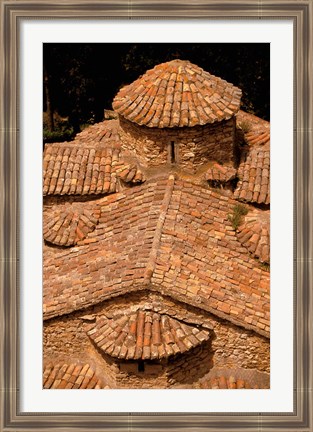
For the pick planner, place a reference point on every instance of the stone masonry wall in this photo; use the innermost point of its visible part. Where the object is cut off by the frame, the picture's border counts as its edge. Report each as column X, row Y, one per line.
column 179, row 370
column 193, row 146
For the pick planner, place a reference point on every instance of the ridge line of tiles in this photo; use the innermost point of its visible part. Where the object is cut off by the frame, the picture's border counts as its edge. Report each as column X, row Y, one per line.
column 158, row 231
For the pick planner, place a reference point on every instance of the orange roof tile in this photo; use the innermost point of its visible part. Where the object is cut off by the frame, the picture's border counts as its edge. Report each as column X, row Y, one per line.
column 220, row 173
column 177, row 94
column 252, row 124
column 70, row 376
column 254, row 177
column 257, row 138
column 239, row 378
column 103, row 133
column 145, row 335
column 254, row 234
column 75, row 170
column 66, row 227
column 174, row 237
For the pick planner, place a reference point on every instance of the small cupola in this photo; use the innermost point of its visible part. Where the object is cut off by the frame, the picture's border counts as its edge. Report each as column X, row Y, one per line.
column 177, row 113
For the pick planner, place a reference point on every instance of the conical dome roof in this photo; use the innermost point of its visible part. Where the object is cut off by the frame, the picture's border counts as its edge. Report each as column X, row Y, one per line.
column 177, row 94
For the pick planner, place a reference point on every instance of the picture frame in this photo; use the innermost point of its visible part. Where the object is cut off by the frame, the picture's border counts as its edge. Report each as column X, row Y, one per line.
column 12, row 14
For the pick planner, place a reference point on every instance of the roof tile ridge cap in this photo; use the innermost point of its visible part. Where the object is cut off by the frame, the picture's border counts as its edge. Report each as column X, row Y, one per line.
column 159, row 228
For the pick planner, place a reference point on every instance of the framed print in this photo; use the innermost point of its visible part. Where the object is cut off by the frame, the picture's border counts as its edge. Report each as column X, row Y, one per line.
column 147, row 283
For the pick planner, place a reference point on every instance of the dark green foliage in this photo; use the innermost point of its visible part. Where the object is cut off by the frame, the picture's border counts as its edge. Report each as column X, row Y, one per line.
column 235, row 218
column 62, row 131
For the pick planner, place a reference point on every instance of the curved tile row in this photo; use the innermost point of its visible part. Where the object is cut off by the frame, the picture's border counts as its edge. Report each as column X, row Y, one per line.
column 239, row 378
column 73, row 170
column 67, row 228
column 177, row 94
column 70, row 376
column 254, row 234
column 144, row 335
column 254, row 177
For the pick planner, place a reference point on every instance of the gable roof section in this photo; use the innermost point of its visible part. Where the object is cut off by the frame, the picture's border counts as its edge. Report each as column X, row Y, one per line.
column 177, row 94
column 113, row 262
column 69, row 169
column 200, row 259
column 173, row 237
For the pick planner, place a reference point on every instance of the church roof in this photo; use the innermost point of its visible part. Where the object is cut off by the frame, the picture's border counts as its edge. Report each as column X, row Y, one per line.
column 177, row 94
column 169, row 236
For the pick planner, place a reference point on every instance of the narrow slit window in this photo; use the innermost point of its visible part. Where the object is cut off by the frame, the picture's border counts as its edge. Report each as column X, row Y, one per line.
column 172, row 152
column 141, row 366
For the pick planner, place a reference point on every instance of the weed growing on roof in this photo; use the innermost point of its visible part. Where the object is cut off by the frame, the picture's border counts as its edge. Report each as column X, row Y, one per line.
column 239, row 210
column 245, row 126
column 265, row 266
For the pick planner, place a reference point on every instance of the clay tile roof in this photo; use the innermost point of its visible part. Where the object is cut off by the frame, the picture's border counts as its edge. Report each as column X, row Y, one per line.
column 220, row 173
column 239, row 378
column 254, row 177
column 170, row 236
column 144, row 335
column 177, row 94
column 254, row 234
column 67, row 228
column 103, row 133
column 256, row 130
column 70, row 376
column 257, row 138
column 75, row 170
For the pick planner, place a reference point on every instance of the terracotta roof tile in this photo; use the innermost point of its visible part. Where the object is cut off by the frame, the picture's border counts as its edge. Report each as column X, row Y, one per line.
column 67, row 228
column 103, row 133
column 239, row 378
column 254, row 234
column 177, row 94
column 257, row 138
column 220, row 173
column 172, row 237
column 252, row 126
column 254, row 177
column 145, row 335
column 72, row 170
column 70, row 376
column 78, row 277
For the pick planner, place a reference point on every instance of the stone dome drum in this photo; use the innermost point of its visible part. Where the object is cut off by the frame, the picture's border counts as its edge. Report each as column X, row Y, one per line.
column 177, row 94
column 178, row 114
